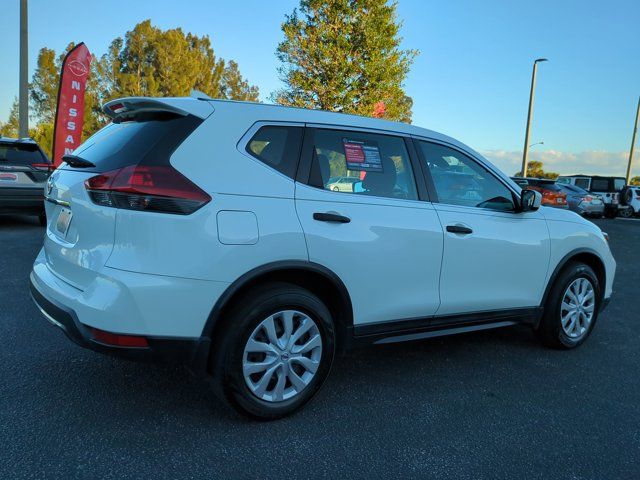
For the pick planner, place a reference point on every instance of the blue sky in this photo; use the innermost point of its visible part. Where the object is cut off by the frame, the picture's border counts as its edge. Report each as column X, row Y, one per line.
column 471, row 79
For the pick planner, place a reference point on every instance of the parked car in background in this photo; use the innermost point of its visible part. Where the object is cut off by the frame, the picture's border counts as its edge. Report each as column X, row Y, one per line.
column 24, row 170
column 342, row 184
column 583, row 202
column 552, row 194
column 522, row 182
column 608, row 188
column 630, row 196
column 246, row 266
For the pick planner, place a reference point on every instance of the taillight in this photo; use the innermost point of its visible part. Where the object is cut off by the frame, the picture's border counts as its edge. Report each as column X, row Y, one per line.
column 587, row 198
column 147, row 188
column 45, row 167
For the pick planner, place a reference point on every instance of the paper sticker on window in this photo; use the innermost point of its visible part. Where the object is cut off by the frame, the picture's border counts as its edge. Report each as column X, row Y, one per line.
column 362, row 156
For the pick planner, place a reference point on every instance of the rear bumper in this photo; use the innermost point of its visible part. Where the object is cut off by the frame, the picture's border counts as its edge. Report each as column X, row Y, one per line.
column 591, row 209
column 191, row 352
column 170, row 313
column 21, row 200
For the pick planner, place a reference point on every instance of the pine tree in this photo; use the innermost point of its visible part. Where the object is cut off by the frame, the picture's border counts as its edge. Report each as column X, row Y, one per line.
column 345, row 56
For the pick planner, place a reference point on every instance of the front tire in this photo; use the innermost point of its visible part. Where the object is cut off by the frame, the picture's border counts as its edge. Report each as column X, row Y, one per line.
column 572, row 307
column 276, row 350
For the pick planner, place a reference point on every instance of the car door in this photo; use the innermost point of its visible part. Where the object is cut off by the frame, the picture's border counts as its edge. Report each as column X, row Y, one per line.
column 494, row 258
column 382, row 238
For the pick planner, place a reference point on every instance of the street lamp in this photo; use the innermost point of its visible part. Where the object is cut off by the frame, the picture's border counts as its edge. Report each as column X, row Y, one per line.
column 525, row 154
column 537, row 143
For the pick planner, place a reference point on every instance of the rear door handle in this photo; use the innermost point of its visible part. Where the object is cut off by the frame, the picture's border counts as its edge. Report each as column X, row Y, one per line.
column 331, row 217
column 459, row 229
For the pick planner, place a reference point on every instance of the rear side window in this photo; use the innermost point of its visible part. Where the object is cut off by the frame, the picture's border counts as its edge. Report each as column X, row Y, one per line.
column 21, row 154
column 600, row 185
column 362, row 163
column 277, row 146
column 147, row 140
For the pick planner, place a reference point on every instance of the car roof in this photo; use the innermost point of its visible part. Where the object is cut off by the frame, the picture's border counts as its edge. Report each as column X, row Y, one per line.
column 9, row 141
column 202, row 106
column 592, row 176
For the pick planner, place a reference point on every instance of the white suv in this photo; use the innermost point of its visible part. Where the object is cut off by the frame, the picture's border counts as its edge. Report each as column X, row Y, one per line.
column 204, row 230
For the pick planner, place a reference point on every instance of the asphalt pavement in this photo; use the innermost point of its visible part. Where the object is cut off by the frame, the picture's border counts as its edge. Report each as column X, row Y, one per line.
column 492, row 404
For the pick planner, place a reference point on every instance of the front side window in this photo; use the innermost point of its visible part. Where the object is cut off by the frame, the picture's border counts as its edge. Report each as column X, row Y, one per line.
column 362, row 163
column 459, row 180
column 278, row 146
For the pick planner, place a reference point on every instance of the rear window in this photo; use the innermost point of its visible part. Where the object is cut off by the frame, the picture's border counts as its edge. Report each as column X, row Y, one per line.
column 548, row 185
column 136, row 142
column 21, row 154
column 277, row 146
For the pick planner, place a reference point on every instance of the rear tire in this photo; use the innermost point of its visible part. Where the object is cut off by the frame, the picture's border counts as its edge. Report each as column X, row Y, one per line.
column 259, row 367
column 572, row 307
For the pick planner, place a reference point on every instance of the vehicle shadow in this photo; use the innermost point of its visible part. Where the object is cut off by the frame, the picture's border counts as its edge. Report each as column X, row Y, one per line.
column 359, row 380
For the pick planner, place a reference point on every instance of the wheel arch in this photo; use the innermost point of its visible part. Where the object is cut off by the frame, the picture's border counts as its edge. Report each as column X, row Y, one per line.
column 312, row 276
column 584, row 255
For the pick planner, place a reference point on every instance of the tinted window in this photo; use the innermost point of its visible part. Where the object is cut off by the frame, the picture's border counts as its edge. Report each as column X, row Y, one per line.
column 459, row 180
column 582, row 183
column 278, row 147
column 546, row 185
column 136, row 142
column 21, row 154
column 600, row 185
column 362, row 163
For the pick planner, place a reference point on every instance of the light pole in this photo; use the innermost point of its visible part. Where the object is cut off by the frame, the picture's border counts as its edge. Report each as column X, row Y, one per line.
column 525, row 155
column 633, row 143
column 23, row 95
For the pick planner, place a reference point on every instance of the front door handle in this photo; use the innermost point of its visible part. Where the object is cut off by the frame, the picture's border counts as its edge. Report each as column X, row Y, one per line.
column 331, row 217
column 460, row 229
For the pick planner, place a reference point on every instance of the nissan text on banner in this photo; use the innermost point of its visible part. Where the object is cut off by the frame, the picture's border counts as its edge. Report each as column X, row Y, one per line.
column 67, row 132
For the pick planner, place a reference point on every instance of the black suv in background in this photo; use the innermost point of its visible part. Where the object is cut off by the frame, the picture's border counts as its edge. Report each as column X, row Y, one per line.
column 24, row 170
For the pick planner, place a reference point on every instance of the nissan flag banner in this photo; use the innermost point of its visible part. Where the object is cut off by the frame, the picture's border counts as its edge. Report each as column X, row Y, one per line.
column 70, row 109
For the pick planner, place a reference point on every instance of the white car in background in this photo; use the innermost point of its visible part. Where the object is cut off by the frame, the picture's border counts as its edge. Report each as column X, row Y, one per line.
column 207, row 231
column 631, row 197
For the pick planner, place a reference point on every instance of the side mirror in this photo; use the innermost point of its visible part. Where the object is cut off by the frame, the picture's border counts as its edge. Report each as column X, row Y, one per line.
column 530, row 200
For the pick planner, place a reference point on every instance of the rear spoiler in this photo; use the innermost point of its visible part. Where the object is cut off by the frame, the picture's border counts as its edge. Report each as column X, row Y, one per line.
column 125, row 107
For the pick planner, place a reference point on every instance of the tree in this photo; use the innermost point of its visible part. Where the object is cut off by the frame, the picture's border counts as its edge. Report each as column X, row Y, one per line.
column 535, row 170
column 147, row 62
column 345, row 56
column 634, row 181
column 10, row 128
column 167, row 63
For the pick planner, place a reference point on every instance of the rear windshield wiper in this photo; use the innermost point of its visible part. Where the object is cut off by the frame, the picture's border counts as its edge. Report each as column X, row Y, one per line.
column 77, row 162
